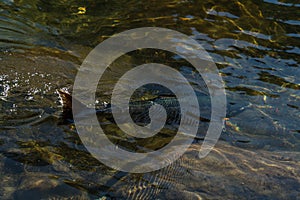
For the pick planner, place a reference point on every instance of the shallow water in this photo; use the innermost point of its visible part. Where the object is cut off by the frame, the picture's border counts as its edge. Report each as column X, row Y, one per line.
column 255, row 45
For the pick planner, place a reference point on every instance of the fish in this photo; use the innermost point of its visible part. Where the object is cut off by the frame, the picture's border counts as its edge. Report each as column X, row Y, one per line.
column 138, row 109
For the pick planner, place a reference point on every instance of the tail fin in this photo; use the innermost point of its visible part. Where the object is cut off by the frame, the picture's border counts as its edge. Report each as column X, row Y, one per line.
column 67, row 100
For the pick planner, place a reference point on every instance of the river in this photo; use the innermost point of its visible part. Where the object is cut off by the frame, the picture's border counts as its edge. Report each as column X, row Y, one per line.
column 255, row 46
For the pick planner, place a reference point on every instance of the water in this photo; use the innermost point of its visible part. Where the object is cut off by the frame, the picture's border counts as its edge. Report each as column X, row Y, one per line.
column 256, row 47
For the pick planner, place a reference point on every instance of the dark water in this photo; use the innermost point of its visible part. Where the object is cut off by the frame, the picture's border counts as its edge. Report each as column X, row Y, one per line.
column 256, row 47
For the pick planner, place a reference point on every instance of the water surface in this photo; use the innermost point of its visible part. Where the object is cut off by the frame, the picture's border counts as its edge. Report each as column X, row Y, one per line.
column 255, row 45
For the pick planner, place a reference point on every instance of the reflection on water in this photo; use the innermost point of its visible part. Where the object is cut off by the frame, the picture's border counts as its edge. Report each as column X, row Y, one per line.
column 255, row 45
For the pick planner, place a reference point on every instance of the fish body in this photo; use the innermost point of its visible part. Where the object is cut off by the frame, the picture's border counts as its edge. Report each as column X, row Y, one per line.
column 138, row 109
